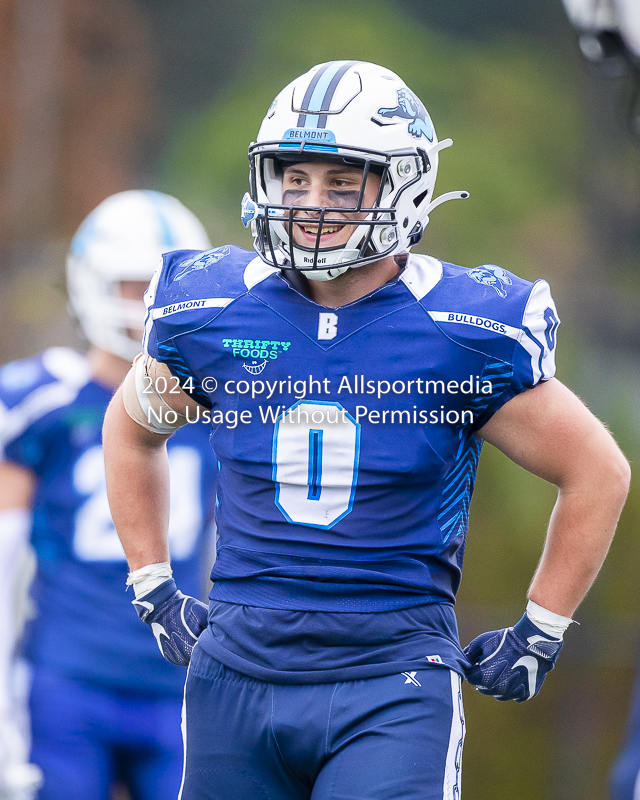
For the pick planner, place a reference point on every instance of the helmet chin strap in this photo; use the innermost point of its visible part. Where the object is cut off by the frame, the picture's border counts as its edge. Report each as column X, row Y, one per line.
column 324, row 274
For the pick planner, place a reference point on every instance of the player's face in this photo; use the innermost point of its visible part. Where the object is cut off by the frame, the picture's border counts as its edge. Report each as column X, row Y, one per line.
column 326, row 185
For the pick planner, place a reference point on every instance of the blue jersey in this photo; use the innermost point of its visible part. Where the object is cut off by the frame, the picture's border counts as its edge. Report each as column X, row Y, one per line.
column 51, row 415
column 346, row 436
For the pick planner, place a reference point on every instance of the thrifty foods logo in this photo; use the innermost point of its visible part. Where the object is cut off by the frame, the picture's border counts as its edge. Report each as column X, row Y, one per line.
column 256, row 348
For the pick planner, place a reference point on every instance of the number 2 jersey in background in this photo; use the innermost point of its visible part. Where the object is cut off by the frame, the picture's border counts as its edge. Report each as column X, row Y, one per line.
column 85, row 629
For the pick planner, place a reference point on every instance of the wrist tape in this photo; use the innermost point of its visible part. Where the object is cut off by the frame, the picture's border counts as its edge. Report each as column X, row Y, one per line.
column 548, row 621
column 146, row 579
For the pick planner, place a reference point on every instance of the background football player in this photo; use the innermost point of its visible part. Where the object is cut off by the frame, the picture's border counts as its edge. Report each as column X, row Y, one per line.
column 331, row 666
column 103, row 706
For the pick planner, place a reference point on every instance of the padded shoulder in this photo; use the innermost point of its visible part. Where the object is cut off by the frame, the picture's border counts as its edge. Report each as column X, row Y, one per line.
column 493, row 311
column 57, row 365
column 191, row 287
column 31, row 388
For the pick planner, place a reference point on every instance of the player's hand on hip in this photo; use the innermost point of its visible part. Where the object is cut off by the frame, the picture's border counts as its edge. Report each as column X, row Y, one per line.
column 176, row 620
column 512, row 663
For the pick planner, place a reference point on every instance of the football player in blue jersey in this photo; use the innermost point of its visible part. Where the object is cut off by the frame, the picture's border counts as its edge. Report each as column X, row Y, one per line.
column 104, row 708
column 625, row 774
column 350, row 385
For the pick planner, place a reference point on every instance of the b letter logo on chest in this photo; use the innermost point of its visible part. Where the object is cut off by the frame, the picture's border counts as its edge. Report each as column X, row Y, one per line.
column 327, row 326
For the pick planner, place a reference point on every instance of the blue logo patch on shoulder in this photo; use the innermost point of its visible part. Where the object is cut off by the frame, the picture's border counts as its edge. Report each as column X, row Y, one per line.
column 490, row 275
column 411, row 108
column 203, row 261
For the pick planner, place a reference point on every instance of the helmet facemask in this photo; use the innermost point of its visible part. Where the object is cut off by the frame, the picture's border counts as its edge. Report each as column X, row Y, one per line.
column 375, row 225
column 363, row 115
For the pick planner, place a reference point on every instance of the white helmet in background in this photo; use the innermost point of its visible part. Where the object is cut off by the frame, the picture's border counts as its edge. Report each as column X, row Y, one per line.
column 122, row 240
column 363, row 115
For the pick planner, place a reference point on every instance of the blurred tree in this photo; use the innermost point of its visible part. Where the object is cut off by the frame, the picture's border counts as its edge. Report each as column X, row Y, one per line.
column 76, row 103
column 78, row 91
column 543, row 20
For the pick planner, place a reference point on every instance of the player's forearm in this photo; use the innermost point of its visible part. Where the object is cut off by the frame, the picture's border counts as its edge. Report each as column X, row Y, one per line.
column 138, row 486
column 582, row 525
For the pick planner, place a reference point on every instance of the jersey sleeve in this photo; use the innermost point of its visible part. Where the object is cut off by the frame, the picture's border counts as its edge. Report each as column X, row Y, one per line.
column 186, row 292
column 153, row 344
column 535, row 359
column 533, row 356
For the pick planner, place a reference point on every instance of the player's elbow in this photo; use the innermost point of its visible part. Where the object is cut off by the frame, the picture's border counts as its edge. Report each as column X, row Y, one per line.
column 612, row 475
column 621, row 475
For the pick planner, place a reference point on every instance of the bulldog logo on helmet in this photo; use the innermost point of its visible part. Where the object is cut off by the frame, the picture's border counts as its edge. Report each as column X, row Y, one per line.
column 409, row 107
column 490, row 275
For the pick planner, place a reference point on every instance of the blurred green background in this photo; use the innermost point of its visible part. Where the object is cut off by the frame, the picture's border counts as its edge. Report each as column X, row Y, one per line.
column 168, row 95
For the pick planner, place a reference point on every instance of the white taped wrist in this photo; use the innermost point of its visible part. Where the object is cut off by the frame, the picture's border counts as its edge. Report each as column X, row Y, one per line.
column 548, row 621
column 146, row 579
column 15, row 530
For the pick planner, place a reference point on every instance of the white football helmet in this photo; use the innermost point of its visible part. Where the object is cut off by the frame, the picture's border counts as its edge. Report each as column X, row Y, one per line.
column 357, row 113
column 122, row 240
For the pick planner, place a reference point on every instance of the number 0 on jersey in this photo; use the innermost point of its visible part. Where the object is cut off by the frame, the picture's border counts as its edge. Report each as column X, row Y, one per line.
column 316, row 450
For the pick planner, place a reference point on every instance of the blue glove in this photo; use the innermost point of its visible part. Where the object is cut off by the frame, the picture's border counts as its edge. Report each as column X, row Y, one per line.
column 511, row 664
column 175, row 619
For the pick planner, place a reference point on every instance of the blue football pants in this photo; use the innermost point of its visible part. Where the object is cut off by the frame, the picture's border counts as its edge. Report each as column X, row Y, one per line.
column 625, row 774
column 85, row 739
column 398, row 737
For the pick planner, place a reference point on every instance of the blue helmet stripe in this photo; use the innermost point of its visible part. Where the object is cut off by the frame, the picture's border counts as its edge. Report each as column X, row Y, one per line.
column 310, row 89
column 83, row 236
column 320, row 93
column 169, row 240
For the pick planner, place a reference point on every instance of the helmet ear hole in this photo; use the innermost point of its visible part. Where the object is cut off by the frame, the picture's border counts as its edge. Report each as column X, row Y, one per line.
column 419, row 198
column 415, row 234
column 426, row 161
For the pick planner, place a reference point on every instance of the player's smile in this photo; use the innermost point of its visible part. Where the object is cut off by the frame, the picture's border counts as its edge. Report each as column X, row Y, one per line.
column 308, row 233
column 326, row 185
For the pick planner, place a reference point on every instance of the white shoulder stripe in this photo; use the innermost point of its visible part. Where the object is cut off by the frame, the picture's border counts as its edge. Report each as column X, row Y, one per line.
column 191, row 305
column 256, row 271
column 44, row 399
column 541, row 321
column 66, row 365
column 477, row 322
column 421, row 274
